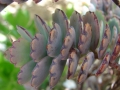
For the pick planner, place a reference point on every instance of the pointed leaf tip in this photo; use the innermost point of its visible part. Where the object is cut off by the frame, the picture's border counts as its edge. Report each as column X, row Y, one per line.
column 24, row 33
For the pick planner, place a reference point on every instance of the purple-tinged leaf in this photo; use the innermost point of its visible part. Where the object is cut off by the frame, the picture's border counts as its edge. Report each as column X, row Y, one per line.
column 38, row 47
column 104, row 43
column 91, row 18
column 116, row 50
column 24, row 33
column 85, row 39
column 69, row 41
column 73, row 63
column 25, row 73
column 55, row 41
column 41, row 71
column 88, row 61
column 56, row 70
column 104, row 64
column 20, row 52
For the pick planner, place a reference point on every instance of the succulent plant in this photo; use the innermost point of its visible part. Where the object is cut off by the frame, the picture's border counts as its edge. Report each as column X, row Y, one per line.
column 83, row 41
column 107, row 7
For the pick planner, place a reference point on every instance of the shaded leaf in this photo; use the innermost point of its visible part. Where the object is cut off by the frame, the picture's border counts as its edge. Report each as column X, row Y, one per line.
column 104, row 43
column 69, row 41
column 91, row 18
column 76, row 22
column 104, row 64
column 115, row 51
column 55, row 41
column 85, row 39
column 38, row 47
column 25, row 73
column 56, row 70
column 88, row 61
column 41, row 71
column 73, row 63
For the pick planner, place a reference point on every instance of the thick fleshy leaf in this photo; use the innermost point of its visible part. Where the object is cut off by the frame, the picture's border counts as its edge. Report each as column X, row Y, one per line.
column 41, row 71
column 60, row 18
column 85, row 39
column 42, row 27
column 38, row 47
column 116, row 50
column 24, row 33
column 104, row 43
column 55, row 41
column 91, row 18
column 20, row 52
column 88, row 61
column 114, row 22
column 117, row 2
column 104, row 64
column 69, row 41
column 25, row 73
column 102, row 22
column 56, row 70
column 73, row 63
column 77, row 23
column 114, row 38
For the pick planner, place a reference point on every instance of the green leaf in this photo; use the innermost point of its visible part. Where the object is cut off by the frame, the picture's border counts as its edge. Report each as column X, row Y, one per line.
column 20, row 52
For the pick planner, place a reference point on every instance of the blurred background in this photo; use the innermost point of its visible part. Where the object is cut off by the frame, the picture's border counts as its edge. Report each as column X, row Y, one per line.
column 23, row 15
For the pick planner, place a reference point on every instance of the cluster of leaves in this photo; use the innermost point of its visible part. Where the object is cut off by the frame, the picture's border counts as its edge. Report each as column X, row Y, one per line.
column 82, row 38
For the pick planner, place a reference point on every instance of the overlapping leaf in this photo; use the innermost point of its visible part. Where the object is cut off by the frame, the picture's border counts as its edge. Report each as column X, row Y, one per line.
column 55, row 41
column 41, row 71
column 25, row 73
